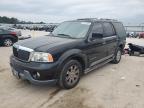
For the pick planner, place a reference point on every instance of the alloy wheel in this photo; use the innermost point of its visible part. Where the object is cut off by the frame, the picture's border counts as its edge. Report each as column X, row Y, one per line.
column 8, row 42
column 72, row 75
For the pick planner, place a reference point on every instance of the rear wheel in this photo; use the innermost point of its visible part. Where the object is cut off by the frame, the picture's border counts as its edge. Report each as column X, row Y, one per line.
column 7, row 42
column 70, row 74
column 117, row 56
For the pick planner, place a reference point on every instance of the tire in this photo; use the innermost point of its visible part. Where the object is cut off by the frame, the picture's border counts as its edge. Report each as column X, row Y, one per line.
column 117, row 56
column 7, row 42
column 70, row 74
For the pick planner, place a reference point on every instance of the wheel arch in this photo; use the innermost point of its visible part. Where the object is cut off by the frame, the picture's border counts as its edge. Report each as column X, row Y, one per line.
column 10, row 37
column 74, row 54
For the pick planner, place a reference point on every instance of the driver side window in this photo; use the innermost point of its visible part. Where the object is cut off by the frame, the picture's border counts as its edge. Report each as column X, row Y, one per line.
column 97, row 28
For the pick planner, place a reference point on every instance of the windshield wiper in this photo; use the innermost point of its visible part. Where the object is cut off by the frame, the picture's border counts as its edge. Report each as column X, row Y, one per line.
column 66, row 35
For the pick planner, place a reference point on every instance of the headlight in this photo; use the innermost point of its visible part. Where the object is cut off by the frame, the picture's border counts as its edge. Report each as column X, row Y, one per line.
column 41, row 57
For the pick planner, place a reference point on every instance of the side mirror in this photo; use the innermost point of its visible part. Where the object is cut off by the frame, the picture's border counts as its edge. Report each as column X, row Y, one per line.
column 97, row 36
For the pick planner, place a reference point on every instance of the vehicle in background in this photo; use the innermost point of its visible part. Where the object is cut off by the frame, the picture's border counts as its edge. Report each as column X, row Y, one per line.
column 132, row 34
column 74, row 48
column 7, row 37
column 18, row 32
column 141, row 35
column 47, row 28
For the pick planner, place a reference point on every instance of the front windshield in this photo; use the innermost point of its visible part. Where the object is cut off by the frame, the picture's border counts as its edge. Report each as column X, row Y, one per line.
column 72, row 29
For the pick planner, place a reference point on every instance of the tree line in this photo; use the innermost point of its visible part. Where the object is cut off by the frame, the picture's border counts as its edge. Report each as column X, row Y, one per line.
column 7, row 20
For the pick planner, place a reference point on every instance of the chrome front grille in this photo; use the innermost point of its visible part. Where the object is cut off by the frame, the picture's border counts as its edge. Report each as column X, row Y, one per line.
column 21, row 52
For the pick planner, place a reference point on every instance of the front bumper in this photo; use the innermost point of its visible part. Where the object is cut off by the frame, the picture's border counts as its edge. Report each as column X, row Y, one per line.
column 26, row 70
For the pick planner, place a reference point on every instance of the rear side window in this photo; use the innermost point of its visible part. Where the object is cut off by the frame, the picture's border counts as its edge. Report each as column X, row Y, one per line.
column 120, row 30
column 108, row 29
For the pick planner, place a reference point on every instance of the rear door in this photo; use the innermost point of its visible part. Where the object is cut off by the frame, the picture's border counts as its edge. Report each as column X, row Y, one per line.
column 110, row 38
column 120, row 31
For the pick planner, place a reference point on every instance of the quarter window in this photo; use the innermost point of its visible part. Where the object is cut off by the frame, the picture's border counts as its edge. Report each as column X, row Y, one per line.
column 120, row 29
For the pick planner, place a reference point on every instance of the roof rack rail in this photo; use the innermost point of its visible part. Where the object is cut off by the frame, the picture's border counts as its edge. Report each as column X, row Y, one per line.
column 88, row 19
column 108, row 19
column 103, row 19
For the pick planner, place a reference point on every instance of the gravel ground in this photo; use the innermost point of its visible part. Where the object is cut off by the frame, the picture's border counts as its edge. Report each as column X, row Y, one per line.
column 111, row 86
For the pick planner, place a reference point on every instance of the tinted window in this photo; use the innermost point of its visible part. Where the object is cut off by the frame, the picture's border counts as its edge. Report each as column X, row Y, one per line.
column 108, row 29
column 97, row 28
column 120, row 29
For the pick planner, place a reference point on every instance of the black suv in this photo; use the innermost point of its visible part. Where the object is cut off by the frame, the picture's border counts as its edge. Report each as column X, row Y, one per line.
column 71, row 50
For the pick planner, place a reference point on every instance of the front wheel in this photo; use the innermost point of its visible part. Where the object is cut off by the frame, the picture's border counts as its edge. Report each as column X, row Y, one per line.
column 117, row 56
column 70, row 74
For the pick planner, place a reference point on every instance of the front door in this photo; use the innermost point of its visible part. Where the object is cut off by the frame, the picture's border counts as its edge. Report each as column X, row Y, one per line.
column 96, row 49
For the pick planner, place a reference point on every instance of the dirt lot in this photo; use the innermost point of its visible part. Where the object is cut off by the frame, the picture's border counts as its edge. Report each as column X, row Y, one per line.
column 112, row 86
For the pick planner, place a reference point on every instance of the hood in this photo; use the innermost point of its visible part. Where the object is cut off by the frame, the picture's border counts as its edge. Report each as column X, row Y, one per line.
column 44, row 42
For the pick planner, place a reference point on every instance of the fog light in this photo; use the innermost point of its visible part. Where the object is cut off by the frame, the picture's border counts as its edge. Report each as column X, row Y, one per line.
column 36, row 75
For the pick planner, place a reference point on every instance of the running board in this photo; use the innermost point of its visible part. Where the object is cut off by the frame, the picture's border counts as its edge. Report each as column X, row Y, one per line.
column 97, row 66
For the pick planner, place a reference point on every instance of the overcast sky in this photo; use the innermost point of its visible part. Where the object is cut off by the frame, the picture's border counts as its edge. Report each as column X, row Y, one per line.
column 128, row 11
